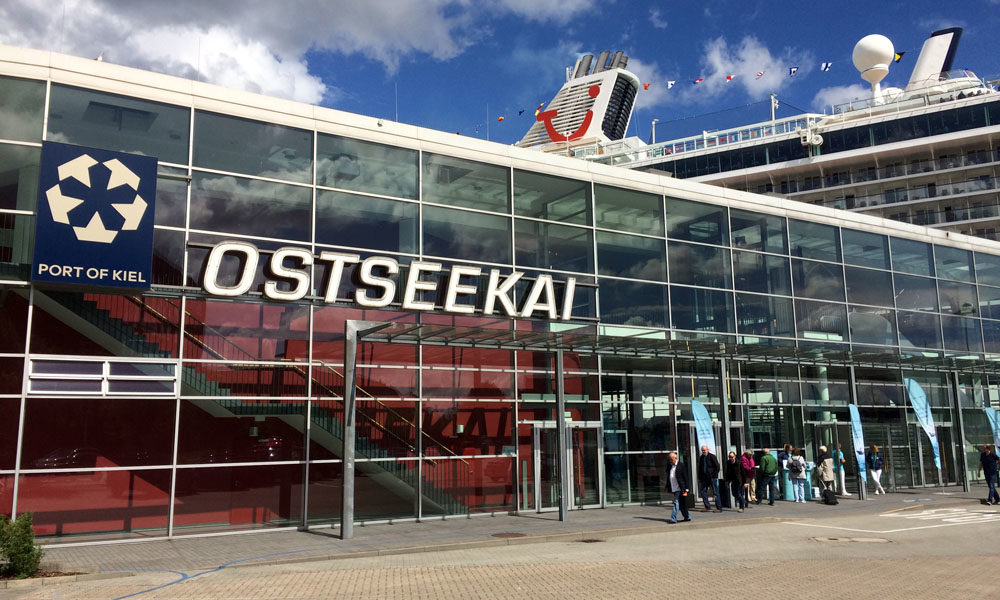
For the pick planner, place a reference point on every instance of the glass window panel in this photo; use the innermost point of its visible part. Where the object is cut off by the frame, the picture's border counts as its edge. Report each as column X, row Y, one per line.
column 226, row 430
column 242, row 498
column 764, row 315
column 18, row 174
column 118, row 123
column 466, row 183
column 962, row 334
column 989, row 302
column 958, row 298
column 693, row 264
column 876, row 326
column 919, row 330
column 466, row 235
column 246, row 331
column 865, row 249
column 16, row 242
column 11, row 375
column 366, row 166
column 987, row 269
column 697, row 222
column 910, row 256
column 865, row 286
column 168, row 257
column 22, row 102
column 757, row 231
column 10, row 409
column 550, row 246
column 366, row 222
column 628, row 210
column 632, row 303
column 953, row 263
column 252, row 147
column 701, row 310
column 762, row 273
column 916, row 293
column 991, row 336
column 553, row 198
column 813, row 240
column 13, row 320
column 251, row 207
column 631, row 256
column 171, row 202
column 821, row 320
column 822, row 281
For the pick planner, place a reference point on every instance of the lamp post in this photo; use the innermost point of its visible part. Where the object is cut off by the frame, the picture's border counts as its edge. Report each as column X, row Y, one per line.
column 655, row 121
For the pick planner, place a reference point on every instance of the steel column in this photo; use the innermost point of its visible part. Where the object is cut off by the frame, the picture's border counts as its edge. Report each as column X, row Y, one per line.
column 562, row 457
column 962, row 455
column 724, row 407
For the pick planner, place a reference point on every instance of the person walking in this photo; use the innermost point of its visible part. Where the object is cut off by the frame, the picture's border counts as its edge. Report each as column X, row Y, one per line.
column 797, row 475
column 840, row 466
column 749, row 475
column 677, row 485
column 783, row 456
column 876, row 462
column 988, row 465
column 708, row 478
column 733, row 474
column 768, row 477
column 824, row 469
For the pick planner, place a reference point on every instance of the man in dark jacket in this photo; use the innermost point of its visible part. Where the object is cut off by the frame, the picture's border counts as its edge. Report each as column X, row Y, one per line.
column 677, row 485
column 708, row 477
column 733, row 473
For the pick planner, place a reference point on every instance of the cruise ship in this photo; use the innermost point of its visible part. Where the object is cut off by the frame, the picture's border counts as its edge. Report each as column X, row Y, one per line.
column 925, row 154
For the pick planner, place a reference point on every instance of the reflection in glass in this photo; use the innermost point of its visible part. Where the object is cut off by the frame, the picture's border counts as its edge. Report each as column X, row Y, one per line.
column 991, row 336
column 366, row 166
column 962, row 334
column 168, row 257
column 465, row 183
column 865, row 249
column 989, row 302
column 701, row 310
column 953, row 263
column 916, row 293
column 913, row 257
column 628, row 210
column 632, row 303
column 761, row 273
column 697, row 222
column 821, row 320
column 987, row 269
column 22, row 102
column 757, row 231
column 865, row 286
column 550, row 246
column 18, row 174
column 230, row 204
column 822, row 281
column 876, row 326
column 466, row 235
column 958, row 298
column 693, row 264
column 118, row 123
column 920, row 330
column 366, row 222
column 171, row 202
column 764, row 315
column 631, row 256
column 553, row 198
column 17, row 233
column 813, row 240
column 241, row 145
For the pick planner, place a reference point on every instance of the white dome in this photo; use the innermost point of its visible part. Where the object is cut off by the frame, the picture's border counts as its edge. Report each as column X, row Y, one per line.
column 873, row 50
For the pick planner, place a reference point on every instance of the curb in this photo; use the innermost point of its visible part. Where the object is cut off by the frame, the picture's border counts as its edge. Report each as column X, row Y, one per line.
column 12, row 584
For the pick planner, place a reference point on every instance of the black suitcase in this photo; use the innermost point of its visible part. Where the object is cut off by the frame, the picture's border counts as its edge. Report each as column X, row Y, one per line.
column 829, row 498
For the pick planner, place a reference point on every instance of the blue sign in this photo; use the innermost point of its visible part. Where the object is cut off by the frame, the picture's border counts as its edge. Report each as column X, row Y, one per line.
column 703, row 424
column 994, row 418
column 859, row 440
column 95, row 217
column 918, row 399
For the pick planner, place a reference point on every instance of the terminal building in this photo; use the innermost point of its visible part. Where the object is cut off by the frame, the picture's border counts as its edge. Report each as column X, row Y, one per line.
column 224, row 312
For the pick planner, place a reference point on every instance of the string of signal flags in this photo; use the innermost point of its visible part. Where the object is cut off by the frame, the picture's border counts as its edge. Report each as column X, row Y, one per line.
column 669, row 84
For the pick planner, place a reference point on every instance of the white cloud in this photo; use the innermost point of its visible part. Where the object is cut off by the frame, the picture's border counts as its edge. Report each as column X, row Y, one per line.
column 656, row 18
column 650, row 73
column 931, row 24
column 832, row 96
column 556, row 11
column 743, row 61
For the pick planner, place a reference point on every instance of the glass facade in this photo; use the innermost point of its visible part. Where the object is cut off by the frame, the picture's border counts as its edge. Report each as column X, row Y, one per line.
column 173, row 412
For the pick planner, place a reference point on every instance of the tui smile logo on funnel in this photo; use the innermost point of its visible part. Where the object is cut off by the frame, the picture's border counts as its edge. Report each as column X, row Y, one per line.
column 546, row 118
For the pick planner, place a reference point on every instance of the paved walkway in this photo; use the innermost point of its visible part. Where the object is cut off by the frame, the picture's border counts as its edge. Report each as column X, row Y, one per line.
column 282, row 547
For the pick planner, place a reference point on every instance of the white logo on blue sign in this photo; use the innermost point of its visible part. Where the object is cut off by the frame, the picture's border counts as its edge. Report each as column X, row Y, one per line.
column 95, row 223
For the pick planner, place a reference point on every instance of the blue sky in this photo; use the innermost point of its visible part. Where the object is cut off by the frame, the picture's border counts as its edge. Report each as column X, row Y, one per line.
column 458, row 65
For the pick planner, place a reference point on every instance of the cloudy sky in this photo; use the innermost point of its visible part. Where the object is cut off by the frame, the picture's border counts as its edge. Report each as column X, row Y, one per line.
column 457, row 65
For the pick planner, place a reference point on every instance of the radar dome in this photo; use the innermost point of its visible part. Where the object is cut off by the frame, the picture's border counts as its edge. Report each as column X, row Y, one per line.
column 872, row 56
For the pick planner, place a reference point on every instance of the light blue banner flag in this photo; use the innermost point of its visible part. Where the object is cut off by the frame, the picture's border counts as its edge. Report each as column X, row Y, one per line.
column 918, row 399
column 703, row 423
column 859, row 441
column 993, row 416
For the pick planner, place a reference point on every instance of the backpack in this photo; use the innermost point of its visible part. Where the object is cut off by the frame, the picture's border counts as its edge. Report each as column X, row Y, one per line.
column 829, row 498
column 794, row 467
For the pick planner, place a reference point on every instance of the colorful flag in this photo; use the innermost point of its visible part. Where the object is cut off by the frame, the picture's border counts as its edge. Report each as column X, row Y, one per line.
column 645, row 86
column 729, row 78
column 500, row 118
column 792, row 71
column 670, row 84
column 520, row 112
column 539, row 109
column 759, row 74
column 899, row 56
column 699, row 80
column 703, row 425
column 825, row 66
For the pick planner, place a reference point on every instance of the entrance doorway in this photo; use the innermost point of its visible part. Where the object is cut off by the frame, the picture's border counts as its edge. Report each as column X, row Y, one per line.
column 541, row 470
